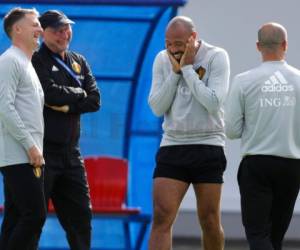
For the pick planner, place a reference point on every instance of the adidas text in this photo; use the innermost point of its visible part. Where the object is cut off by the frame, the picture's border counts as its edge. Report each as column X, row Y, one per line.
column 277, row 88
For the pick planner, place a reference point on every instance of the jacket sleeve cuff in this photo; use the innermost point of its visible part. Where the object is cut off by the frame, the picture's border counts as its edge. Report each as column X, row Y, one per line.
column 174, row 77
column 72, row 109
column 28, row 142
column 187, row 69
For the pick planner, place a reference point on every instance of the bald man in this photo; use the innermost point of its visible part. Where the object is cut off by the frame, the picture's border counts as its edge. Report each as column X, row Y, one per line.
column 263, row 110
column 190, row 82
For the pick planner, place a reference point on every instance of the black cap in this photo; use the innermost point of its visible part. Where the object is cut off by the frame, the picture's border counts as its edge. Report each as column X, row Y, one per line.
column 54, row 19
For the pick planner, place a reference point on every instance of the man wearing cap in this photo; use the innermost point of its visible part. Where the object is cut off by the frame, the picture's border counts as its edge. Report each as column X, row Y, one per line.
column 70, row 90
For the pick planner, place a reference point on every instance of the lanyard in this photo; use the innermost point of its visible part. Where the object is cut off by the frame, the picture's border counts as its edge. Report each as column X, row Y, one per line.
column 65, row 66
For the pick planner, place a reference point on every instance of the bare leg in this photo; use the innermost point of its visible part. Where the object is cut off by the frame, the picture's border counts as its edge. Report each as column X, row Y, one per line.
column 208, row 206
column 167, row 196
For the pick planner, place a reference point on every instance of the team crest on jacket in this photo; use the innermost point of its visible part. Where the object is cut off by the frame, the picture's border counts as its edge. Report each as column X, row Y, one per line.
column 201, row 72
column 76, row 67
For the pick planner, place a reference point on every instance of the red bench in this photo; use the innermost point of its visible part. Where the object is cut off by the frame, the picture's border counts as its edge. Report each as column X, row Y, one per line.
column 108, row 182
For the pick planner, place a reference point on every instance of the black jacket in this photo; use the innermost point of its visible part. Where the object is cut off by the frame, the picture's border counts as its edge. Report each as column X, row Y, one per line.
column 61, row 89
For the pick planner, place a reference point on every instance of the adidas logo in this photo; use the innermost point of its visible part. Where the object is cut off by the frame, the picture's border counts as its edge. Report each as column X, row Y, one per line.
column 277, row 83
column 54, row 68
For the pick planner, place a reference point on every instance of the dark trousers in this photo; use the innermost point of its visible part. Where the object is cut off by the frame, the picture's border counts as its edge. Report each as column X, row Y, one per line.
column 269, row 187
column 24, row 207
column 66, row 185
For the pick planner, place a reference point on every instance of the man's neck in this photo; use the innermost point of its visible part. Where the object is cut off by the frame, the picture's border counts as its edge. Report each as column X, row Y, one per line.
column 62, row 54
column 272, row 57
column 27, row 51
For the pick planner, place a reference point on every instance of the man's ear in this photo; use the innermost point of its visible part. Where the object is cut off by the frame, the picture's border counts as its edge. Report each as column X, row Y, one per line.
column 194, row 34
column 258, row 46
column 284, row 45
column 16, row 28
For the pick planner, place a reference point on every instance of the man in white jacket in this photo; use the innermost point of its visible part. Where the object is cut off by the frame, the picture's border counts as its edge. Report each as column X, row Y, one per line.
column 263, row 110
column 190, row 81
column 21, row 132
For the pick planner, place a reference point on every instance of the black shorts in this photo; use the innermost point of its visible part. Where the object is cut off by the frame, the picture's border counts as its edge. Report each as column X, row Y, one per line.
column 191, row 163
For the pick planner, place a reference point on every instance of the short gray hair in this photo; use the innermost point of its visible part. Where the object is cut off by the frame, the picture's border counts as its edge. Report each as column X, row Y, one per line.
column 271, row 35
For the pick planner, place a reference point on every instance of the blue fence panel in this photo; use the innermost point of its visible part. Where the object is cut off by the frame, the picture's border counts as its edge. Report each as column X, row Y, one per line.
column 103, row 132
